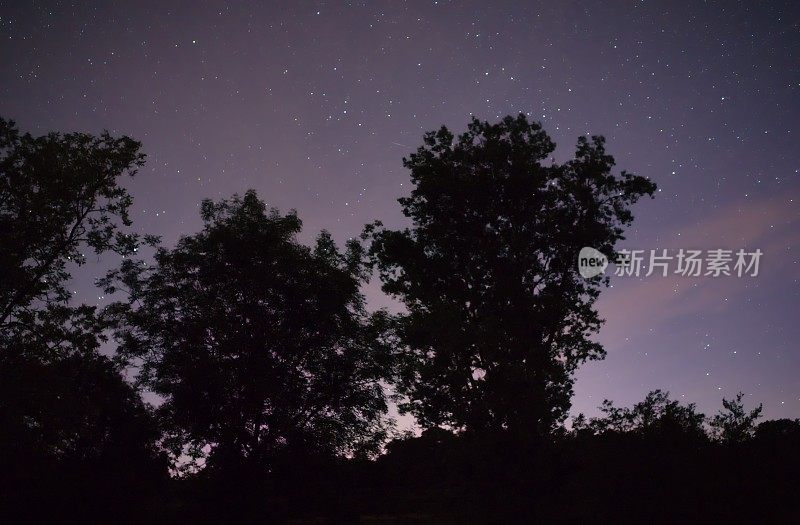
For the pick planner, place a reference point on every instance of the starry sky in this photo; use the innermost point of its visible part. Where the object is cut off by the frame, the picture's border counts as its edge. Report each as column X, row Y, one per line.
column 314, row 104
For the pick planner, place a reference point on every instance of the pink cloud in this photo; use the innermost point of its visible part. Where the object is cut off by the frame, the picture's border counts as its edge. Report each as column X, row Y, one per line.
column 635, row 305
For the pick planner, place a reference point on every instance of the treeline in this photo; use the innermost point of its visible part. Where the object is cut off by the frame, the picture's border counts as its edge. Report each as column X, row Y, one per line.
column 271, row 374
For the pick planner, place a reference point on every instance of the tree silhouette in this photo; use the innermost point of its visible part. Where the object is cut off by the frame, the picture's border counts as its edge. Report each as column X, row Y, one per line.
column 58, row 194
column 270, row 368
column 779, row 430
column 656, row 416
column 76, row 440
column 258, row 344
column 39, row 400
column 69, row 423
column 733, row 424
column 498, row 317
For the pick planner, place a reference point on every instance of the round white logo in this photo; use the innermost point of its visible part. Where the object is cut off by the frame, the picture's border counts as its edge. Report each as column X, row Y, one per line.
column 591, row 262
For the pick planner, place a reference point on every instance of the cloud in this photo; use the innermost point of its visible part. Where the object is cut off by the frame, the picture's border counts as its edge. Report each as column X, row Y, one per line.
column 635, row 305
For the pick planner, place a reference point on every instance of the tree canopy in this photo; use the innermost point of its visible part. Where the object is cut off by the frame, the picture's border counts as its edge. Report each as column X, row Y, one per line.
column 65, row 408
column 269, row 370
column 257, row 343
column 734, row 424
column 59, row 195
column 656, row 416
column 498, row 317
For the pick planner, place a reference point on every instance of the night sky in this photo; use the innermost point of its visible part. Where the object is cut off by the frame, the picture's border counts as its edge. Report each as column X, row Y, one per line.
column 314, row 104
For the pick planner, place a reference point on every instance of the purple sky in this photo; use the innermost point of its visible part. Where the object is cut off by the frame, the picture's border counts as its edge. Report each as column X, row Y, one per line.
column 315, row 104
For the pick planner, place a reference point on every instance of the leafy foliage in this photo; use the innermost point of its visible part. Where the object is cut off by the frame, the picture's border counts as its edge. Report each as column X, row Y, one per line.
column 779, row 430
column 734, row 424
column 498, row 317
column 258, row 344
column 656, row 415
column 59, row 194
column 264, row 355
column 75, row 408
column 65, row 409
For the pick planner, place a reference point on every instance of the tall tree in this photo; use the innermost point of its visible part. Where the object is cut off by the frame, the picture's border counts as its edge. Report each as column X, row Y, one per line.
column 498, row 317
column 66, row 412
column 59, row 194
column 257, row 343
